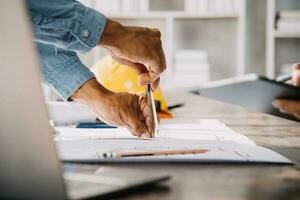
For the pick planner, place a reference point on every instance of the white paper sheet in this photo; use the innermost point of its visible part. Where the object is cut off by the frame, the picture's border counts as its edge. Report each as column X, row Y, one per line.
column 217, row 151
column 194, row 129
column 223, row 144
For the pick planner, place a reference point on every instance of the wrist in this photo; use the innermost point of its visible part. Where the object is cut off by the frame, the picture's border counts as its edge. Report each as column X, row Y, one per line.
column 90, row 92
column 113, row 31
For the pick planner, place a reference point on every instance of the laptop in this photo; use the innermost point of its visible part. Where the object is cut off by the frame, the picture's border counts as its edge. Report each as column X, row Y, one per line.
column 29, row 167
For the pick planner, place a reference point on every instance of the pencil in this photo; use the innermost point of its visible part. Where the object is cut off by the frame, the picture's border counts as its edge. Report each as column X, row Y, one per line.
column 284, row 78
column 122, row 154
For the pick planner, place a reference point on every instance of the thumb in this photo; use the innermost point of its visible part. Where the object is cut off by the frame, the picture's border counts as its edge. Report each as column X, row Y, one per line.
column 136, row 126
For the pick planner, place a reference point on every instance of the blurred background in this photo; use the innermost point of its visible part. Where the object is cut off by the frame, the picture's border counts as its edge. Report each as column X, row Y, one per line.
column 207, row 40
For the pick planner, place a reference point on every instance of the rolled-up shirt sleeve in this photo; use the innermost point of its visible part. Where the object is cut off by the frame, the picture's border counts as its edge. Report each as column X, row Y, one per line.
column 62, row 69
column 66, row 24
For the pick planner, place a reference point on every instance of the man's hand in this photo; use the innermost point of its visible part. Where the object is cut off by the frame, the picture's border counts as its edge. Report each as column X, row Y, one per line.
column 296, row 75
column 136, row 47
column 290, row 106
column 121, row 109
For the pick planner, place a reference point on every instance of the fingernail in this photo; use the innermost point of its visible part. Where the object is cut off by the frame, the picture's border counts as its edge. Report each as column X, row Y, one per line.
column 275, row 104
column 144, row 135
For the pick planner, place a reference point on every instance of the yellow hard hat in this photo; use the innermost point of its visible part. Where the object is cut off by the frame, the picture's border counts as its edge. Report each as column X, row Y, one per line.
column 121, row 78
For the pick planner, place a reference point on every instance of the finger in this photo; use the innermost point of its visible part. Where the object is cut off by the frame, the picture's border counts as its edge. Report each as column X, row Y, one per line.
column 296, row 74
column 136, row 66
column 155, row 84
column 144, row 79
column 156, row 32
column 162, row 55
column 296, row 66
column 144, row 76
column 163, row 60
column 155, row 63
column 136, row 120
column 279, row 104
column 141, row 105
column 288, row 106
column 136, row 126
column 142, row 72
column 144, row 109
column 156, row 66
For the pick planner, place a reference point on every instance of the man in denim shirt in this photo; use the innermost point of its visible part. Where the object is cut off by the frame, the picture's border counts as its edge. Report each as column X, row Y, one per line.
column 64, row 27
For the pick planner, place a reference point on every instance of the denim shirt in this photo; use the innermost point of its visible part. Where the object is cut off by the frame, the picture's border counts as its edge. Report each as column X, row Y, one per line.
column 62, row 28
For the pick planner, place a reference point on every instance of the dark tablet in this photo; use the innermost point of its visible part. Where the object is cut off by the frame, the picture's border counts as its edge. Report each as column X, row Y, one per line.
column 251, row 91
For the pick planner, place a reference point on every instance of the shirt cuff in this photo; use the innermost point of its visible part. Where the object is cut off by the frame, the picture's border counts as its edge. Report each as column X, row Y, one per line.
column 77, row 29
column 72, row 78
column 87, row 30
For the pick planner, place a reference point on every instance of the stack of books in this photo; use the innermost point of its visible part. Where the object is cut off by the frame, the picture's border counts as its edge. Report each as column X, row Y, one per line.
column 191, row 68
column 215, row 6
column 289, row 21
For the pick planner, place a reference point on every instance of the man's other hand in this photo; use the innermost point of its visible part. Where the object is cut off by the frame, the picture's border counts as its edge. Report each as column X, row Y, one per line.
column 136, row 47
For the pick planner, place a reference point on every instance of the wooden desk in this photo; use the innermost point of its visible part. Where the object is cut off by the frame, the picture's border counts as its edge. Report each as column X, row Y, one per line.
column 230, row 181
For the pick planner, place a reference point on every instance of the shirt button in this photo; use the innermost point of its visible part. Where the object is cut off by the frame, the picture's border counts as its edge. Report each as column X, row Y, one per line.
column 85, row 33
column 48, row 20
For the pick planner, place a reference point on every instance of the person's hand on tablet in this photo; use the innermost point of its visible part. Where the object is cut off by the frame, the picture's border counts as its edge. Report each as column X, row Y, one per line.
column 291, row 107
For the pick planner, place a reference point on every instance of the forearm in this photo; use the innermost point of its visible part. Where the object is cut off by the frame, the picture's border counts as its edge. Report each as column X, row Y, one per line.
column 91, row 92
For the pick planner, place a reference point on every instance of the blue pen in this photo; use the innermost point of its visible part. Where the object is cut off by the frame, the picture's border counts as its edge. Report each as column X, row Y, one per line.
column 94, row 125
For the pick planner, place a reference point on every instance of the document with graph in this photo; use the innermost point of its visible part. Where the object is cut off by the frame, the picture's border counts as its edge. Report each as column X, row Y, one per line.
column 179, row 140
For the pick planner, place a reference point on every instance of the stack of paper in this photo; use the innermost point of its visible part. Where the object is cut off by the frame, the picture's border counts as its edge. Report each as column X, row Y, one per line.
column 289, row 20
column 191, row 67
column 220, row 142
